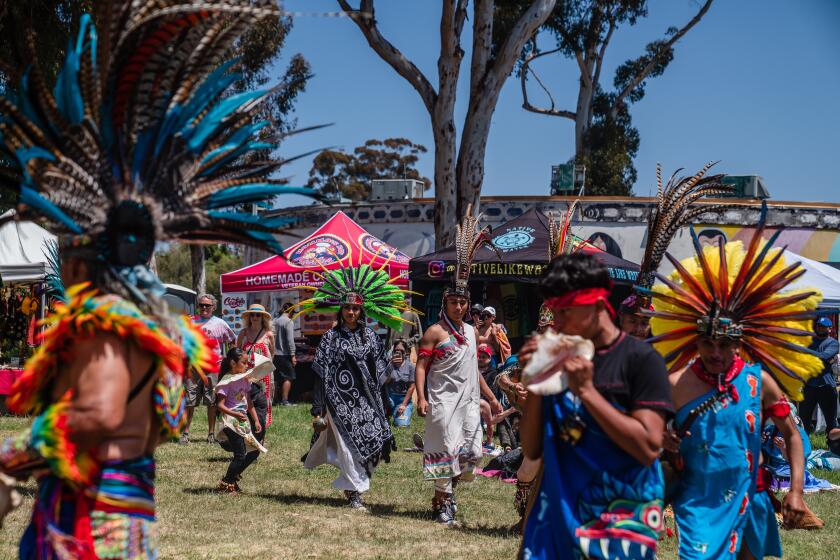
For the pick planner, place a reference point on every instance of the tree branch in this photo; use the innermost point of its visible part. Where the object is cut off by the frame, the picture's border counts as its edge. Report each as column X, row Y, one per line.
column 602, row 51
column 365, row 20
column 642, row 74
column 482, row 42
column 524, row 29
column 460, row 16
column 523, row 78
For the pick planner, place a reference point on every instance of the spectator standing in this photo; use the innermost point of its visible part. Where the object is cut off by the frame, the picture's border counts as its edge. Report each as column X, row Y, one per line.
column 821, row 390
column 257, row 337
column 221, row 335
column 410, row 332
column 492, row 333
column 400, row 384
column 284, row 354
column 475, row 315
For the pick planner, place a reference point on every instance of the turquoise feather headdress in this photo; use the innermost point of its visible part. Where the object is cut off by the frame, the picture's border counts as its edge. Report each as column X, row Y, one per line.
column 140, row 138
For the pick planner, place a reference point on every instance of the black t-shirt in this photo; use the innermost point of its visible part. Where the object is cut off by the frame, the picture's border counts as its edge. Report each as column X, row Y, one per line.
column 631, row 374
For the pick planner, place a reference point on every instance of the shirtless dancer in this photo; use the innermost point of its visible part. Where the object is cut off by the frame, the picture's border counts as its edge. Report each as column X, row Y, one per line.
column 112, row 166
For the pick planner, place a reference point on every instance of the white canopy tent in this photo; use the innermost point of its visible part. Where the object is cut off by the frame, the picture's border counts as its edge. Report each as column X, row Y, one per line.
column 819, row 276
column 22, row 251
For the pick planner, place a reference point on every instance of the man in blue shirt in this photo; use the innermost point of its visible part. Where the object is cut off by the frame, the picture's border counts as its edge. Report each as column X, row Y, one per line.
column 821, row 390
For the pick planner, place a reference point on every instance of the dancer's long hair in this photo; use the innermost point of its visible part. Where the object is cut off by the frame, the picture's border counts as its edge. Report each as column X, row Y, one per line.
column 234, row 355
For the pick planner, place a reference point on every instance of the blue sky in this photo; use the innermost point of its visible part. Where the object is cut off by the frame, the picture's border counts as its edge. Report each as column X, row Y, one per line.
column 755, row 85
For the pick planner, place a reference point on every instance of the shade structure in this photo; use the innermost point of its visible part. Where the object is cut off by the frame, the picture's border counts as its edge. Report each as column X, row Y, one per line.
column 819, row 276
column 339, row 242
column 23, row 249
column 524, row 244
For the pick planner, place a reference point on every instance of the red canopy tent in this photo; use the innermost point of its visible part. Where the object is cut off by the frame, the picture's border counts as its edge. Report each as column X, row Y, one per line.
column 339, row 239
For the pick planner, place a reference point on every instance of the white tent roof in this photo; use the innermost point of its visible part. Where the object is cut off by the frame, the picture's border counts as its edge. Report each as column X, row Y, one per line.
column 820, row 276
column 22, row 246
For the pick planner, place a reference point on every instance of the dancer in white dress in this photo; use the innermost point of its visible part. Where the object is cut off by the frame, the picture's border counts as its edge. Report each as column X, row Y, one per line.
column 448, row 384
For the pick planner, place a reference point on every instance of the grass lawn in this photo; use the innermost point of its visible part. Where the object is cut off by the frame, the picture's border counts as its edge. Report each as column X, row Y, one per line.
column 289, row 512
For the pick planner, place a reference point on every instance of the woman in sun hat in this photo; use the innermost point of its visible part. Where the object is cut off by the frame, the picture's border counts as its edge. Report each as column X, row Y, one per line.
column 257, row 337
column 235, row 431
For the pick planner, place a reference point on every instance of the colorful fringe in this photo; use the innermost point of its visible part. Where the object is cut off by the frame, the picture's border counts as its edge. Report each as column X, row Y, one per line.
column 127, row 488
column 84, row 315
column 51, row 439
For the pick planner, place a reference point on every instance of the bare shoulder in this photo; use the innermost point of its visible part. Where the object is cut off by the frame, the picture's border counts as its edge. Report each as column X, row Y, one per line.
column 433, row 335
column 678, row 377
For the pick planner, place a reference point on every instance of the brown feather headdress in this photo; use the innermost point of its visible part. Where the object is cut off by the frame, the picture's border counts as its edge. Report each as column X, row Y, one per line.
column 468, row 239
column 141, row 138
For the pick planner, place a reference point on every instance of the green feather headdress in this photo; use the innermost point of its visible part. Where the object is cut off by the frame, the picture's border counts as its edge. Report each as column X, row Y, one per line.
column 363, row 285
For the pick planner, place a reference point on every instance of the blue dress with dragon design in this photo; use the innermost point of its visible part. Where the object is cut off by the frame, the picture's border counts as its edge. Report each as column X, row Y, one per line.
column 594, row 499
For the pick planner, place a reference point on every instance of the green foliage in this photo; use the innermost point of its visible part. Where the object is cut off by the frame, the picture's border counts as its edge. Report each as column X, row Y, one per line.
column 612, row 144
column 582, row 30
column 350, row 174
column 259, row 50
column 174, row 265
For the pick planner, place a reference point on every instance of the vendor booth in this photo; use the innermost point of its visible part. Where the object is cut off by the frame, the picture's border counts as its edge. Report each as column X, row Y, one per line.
column 339, row 242
column 23, row 267
column 509, row 284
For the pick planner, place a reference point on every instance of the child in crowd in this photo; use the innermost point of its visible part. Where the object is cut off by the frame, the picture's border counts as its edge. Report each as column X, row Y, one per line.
column 234, row 431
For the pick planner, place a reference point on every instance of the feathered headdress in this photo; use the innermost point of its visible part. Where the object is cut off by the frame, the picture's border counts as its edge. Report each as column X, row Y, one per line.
column 468, row 239
column 560, row 239
column 140, row 138
column 730, row 291
column 371, row 288
column 672, row 211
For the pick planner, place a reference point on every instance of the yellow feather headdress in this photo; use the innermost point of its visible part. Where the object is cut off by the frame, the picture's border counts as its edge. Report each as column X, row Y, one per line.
column 738, row 292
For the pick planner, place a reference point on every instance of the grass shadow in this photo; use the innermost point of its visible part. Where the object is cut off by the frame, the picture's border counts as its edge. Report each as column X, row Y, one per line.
column 379, row 510
column 219, row 459
column 488, row 531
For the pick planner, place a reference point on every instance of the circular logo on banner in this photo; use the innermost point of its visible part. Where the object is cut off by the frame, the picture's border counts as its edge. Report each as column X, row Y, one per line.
column 325, row 249
column 514, row 239
column 374, row 245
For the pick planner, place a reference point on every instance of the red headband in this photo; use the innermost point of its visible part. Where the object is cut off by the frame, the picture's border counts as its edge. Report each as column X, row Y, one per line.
column 586, row 296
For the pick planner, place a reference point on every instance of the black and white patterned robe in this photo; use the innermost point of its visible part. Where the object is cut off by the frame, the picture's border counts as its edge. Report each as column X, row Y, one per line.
column 351, row 367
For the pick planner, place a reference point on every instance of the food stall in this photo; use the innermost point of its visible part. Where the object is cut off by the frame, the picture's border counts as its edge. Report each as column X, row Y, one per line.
column 509, row 283
column 278, row 279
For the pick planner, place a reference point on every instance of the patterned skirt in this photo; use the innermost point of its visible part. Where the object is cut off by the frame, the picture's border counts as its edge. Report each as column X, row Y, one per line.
column 113, row 519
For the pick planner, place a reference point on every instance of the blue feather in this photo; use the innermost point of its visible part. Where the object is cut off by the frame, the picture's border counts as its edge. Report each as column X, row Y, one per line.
column 252, row 193
column 67, row 93
column 252, row 219
column 236, row 139
column 23, row 156
column 242, row 150
column 200, row 133
column 31, row 198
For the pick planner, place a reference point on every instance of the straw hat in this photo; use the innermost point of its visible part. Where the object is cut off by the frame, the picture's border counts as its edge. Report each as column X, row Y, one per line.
column 256, row 309
column 262, row 367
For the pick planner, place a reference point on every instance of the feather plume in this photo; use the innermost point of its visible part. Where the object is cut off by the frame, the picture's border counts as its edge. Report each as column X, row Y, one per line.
column 142, row 110
column 672, row 210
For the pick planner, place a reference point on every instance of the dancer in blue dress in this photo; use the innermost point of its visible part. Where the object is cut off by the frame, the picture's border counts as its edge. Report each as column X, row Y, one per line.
column 716, row 318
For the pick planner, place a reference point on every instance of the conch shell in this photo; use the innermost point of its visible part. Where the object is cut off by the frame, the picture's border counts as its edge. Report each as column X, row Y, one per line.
column 543, row 375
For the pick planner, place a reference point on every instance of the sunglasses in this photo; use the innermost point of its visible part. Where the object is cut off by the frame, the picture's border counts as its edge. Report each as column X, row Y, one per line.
column 205, row 305
column 485, row 315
